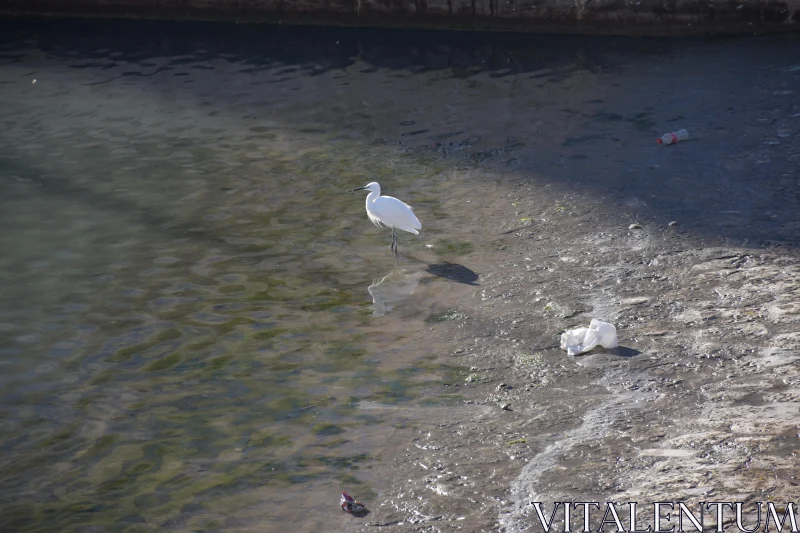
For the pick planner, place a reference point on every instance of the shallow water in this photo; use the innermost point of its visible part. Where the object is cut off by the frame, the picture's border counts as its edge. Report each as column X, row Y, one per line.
column 200, row 328
column 188, row 330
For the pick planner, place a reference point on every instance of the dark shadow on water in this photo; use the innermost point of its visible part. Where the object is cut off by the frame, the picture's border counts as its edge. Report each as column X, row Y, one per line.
column 734, row 184
column 454, row 272
column 310, row 51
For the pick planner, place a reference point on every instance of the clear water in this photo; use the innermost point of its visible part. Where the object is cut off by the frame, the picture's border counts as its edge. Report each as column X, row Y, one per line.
column 196, row 312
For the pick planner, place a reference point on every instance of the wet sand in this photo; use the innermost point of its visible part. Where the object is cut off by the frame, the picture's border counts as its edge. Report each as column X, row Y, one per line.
column 690, row 250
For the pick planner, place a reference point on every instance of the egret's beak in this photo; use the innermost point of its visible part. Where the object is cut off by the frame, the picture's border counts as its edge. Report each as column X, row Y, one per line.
column 359, row 189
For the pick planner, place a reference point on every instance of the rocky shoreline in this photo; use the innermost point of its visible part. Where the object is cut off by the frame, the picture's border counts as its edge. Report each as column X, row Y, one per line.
column 699, row 402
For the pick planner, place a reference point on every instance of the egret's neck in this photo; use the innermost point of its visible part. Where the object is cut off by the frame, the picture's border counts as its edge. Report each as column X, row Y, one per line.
column 372, row 196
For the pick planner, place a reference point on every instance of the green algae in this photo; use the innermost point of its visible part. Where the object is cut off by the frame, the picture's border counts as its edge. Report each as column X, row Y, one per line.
column 238, row 364
column 163, row 363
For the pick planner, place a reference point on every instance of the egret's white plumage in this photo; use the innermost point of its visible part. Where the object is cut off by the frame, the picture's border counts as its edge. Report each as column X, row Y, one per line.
column 390, row 212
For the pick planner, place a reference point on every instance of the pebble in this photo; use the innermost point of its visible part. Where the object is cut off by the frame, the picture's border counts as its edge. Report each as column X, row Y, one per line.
column 506, row 407
column 635, row 226
column 674, row 222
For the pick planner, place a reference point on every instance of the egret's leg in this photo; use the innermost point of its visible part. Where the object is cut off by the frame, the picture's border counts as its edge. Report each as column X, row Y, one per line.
column 394, row 243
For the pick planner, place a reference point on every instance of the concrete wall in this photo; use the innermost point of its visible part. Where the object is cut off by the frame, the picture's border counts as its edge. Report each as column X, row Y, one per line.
column 569, row 16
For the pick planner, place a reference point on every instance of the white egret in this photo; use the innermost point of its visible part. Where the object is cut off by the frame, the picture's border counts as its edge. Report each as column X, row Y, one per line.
column 390, row 212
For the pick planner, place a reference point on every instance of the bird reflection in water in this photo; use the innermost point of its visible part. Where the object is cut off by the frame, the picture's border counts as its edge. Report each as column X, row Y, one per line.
column 392, row 289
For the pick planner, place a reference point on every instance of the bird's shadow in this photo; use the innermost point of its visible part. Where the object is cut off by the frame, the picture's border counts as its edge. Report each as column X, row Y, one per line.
column 453, row 272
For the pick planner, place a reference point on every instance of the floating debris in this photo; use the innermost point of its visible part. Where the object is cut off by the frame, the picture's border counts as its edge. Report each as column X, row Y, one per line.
column 349, row 505
column 673, row 137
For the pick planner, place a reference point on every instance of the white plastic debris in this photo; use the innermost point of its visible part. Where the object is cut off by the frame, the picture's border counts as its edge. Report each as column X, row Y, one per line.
column 673, row 137
column 581, row 340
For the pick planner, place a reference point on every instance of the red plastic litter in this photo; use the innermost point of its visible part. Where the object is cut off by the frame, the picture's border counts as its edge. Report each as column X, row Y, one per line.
column 349, row 505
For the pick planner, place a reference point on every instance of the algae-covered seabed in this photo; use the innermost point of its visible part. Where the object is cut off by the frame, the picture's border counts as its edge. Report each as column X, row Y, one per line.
column 201, row 331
